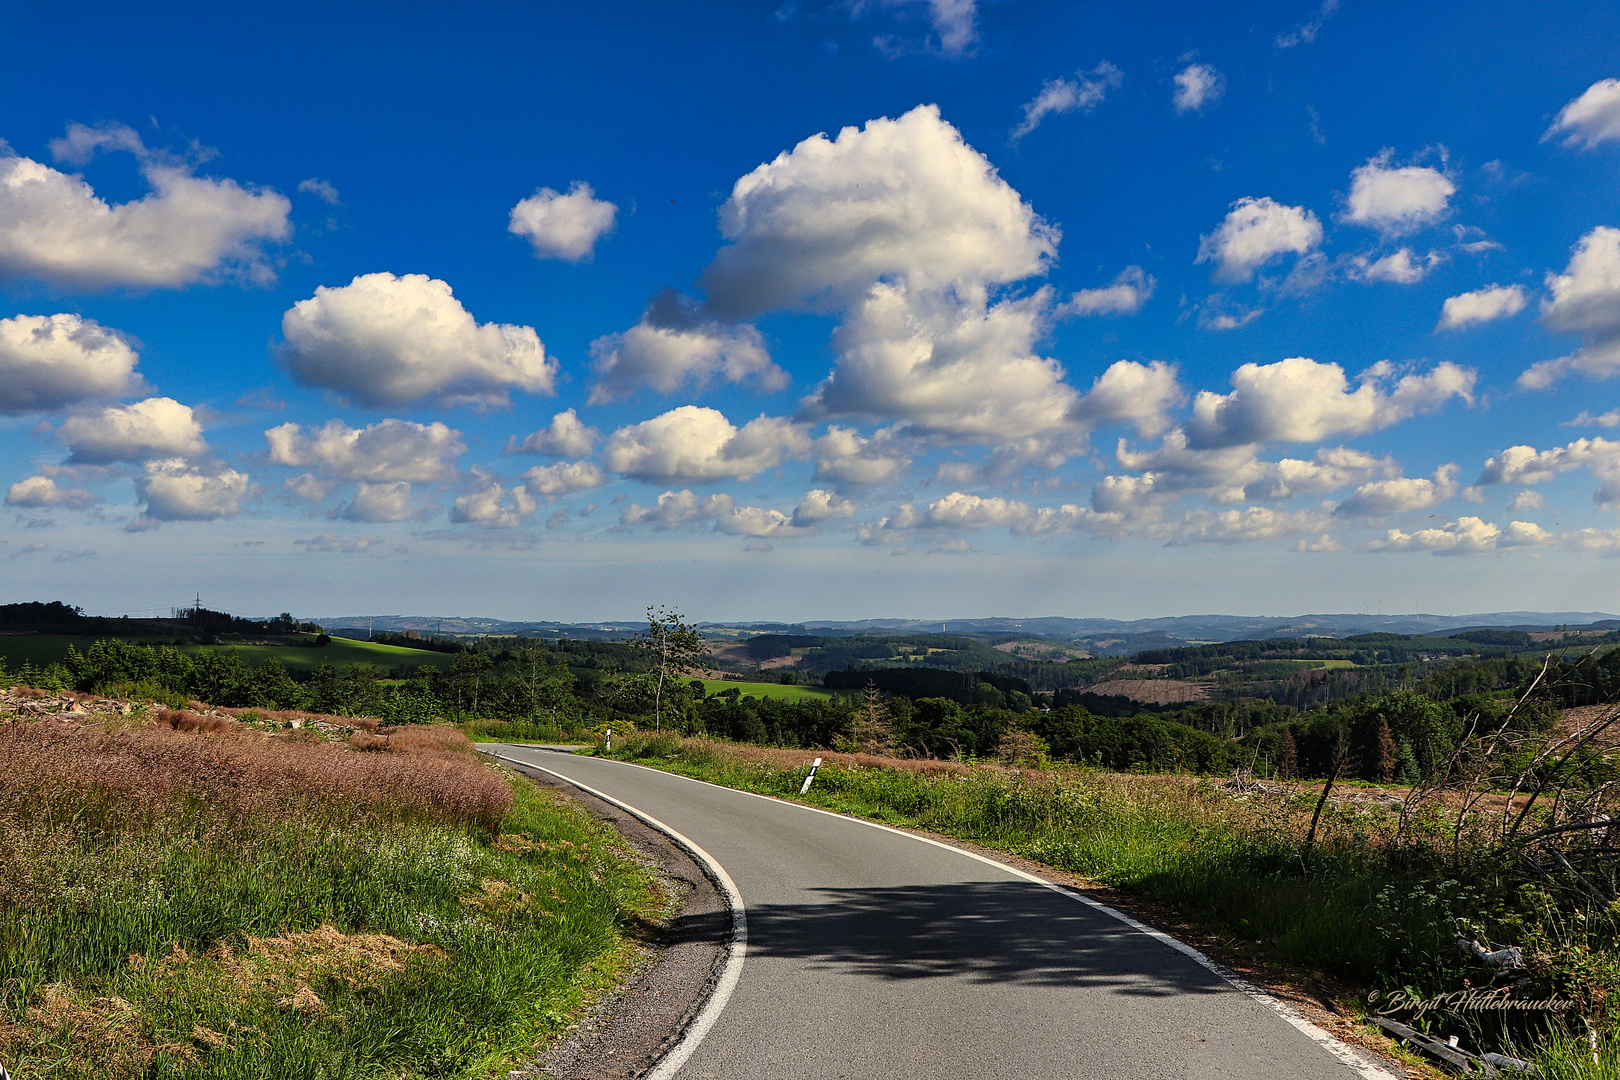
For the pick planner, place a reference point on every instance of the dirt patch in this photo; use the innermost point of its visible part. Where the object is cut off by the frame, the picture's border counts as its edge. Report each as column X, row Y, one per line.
column 1042, row 650
column 1156, row 691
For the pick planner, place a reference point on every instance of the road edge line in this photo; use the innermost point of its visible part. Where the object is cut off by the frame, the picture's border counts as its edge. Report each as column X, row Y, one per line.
column 1342, row 1051
column 670, row 1063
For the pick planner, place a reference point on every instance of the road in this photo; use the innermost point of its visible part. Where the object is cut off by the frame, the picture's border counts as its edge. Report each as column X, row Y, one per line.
column 876, row 955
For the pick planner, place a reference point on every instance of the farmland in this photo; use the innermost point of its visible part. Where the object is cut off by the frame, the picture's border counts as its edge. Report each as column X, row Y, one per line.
column 778, row 691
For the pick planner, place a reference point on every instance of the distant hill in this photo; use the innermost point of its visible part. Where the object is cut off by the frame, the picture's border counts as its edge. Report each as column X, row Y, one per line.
column 1110, row 636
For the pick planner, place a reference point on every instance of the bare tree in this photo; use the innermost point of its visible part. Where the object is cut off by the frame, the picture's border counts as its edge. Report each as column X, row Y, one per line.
column 674, row 648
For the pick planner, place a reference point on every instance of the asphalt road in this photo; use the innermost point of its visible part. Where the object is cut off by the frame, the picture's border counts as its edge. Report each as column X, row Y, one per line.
column 873, row 955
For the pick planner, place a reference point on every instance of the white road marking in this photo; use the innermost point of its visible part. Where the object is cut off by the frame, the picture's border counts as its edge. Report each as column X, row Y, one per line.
column 1340, row 1050
column 671, row 1063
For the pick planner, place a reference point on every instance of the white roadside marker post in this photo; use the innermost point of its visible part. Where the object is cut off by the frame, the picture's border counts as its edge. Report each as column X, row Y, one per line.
column 814, row 765
column 610, row 741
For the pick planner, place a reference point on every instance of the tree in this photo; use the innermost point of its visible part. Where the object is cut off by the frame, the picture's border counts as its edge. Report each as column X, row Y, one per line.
column 673, row 649
column 872, row 730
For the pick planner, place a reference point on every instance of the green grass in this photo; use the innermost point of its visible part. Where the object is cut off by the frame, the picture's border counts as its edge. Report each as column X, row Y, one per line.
column 44, row 649
column 778, row 691
column 190, row 946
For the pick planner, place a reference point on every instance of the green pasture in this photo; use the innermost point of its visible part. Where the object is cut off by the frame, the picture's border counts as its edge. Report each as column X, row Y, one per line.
column 43, row 649
column 770, row 690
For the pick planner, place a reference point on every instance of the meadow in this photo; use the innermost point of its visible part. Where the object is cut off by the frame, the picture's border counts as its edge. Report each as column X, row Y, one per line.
column 191, row 895
column 44, row 649
column 778, row 691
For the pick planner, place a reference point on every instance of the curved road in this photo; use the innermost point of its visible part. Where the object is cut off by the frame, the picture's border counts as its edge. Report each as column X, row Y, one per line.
column 875, row 955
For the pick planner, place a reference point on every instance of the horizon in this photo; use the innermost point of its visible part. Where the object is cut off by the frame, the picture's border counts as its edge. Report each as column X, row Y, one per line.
column 751, row 310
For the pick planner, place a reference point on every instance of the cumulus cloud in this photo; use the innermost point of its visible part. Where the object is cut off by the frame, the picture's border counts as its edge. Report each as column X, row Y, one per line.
column 380, row 502
column 1585, row 300
column 176, row 490
column 1255, row 232
column 819, row 506
column 959, row 510
column 1300, row 400
column 1590, row 119
column 1133, row 393
column 1481, row 305
column 1129, row 291
column 844, row 456
column 565, row 436
column 491, row 506
column 675, row 344
column 53, row 226
column 389, row 450
column 1465, row 536
column 1397, row 199
column 387, row 340
column 1586, row 419
column 1527, row 465
column 1380, row 498
column 1082, row 93
column 320, row 189
column 681, row 509
column 563, row 226
column 155, row 428
column 1398, row 268
column 698, row 444
column 51, row 361
column 1242, row 526
column 41, row 492
column 1197, row 85
column 563, row 478
column 1526, row 500
column 307, row 488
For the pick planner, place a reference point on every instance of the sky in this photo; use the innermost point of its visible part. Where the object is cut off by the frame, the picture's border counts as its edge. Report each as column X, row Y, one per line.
column 811, row 310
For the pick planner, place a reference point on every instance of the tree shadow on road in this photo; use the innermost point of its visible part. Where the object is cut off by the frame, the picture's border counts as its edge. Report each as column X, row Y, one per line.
column 987, row 932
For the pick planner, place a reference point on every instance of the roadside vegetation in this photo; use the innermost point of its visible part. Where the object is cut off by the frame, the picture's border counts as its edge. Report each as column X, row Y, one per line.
column 188, row 894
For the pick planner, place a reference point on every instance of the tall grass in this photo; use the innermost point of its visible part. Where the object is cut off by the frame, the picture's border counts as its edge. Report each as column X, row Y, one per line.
column 1379, row 910
column 233, row 904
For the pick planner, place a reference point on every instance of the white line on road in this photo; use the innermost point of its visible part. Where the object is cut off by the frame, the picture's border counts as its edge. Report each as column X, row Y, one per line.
column 671, row 1063
column 1340, row 1050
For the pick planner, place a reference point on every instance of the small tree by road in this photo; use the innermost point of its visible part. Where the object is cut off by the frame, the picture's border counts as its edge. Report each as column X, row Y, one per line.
column 674, row 648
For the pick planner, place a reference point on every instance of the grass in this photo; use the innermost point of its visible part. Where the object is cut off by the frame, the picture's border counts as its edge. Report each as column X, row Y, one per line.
column 44, row 649
column 780, row 691
column 222, row 902
column 1366, row 908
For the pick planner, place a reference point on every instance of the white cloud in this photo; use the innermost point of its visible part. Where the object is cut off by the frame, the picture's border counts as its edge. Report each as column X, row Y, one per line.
column 321, row 190
column 563, row 478
column 1306, row 32
column 1129, row 291
column 154, row 428
column 563, row 226
column 959, row 510
column 389, row 450
column 492, row 507
column 1527, row 465
column 1465, row 536
column 307, row 488
column 680, row 509
column 53, row 226
column 843, row 456
column 1133, row 393
column 380, row 502
column 818, row 506
column 1242, row 526
column 1586, row 419
column 693, row 443
column 1398, row 268
column 1080, row 94
column 675, row 344
column 1380, row 498
column 566, row 436
column 1481, row 305
column 1255, row 232
column 50, row 361
column 1585, row 300
column 40, row 492
column 1526, row 500
column 1592, row 118
column 1197, row 85
column 954, row 22
column 175, row 490
column 330, row 542
column 1300, row 400
column 389, row 340
column 1397, row 199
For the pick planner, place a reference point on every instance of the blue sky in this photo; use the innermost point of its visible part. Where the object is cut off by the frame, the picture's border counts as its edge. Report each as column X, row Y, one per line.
column 811, row 310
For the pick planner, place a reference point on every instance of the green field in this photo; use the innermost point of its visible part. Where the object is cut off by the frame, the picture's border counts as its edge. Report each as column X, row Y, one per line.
column 43, row 649
column 770, row 690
